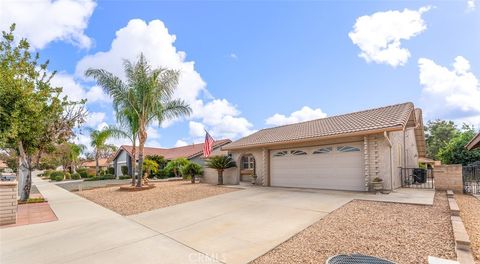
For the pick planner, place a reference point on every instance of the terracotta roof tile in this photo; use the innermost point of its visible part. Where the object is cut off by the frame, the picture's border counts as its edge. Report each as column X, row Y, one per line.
column 362, row 121
column 189, row 151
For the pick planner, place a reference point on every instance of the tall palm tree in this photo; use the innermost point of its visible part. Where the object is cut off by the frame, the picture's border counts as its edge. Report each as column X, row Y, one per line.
column 220, row 163
column 98, row 140
column 147, row 94
column 128, row 129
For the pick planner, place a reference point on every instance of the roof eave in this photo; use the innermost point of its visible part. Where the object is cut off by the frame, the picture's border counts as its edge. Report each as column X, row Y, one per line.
column 305, row 140
column 474, row 143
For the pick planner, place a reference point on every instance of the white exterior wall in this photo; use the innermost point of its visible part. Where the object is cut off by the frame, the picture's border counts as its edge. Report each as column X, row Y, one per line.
column 398, row 153
column 211, row 176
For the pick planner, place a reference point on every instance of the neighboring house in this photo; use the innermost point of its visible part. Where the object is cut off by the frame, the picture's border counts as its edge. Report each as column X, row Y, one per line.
column 474, row 143
column 192, row 152
column 103, row 164
column 343, row 152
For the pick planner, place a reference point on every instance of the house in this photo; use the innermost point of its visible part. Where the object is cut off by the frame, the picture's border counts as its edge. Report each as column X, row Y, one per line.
column 343, row 152
column 103, row 164
column 474, row 143
column 192, row 152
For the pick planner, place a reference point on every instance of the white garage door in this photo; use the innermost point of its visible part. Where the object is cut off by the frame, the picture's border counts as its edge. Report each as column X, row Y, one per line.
column 338, row 167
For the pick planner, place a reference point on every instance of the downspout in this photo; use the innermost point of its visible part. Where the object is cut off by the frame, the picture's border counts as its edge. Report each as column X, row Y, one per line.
column 385, row 134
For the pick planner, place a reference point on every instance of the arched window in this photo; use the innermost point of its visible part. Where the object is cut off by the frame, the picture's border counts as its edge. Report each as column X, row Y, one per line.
column 280, row 153
column 347, row 149
column 248, row 162
column 298, row 152
column 323, row 150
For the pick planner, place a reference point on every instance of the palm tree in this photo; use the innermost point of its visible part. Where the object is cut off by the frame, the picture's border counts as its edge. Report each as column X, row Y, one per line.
column 220, row 163
column 128, row 129
column 147, row 94
column 192, row 169
column 75, row 152
column 98, row 140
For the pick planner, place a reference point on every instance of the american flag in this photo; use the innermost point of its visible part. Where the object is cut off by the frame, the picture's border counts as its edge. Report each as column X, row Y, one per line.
column 208, row 145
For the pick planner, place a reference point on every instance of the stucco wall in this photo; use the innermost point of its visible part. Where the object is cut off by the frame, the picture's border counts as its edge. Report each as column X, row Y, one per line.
column 211, row 175
column 398, row 153
column 121, row 161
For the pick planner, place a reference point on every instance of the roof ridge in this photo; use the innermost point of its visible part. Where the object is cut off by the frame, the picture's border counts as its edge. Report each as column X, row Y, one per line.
column 329, row 117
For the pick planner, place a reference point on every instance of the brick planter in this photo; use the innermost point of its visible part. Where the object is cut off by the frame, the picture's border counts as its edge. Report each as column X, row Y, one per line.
column 8, row 203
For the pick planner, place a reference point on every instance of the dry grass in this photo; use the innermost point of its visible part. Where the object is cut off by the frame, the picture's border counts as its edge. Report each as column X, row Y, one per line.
column 470, row 213
column 163, row 195
column 399, row 232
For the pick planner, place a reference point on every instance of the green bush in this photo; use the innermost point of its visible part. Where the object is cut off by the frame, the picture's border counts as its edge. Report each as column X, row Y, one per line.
column 47, row 173
column 68, row 176
column 101, row 178
column 55, row 175
column 110, row 170
column 124, row 170
column 124, row 177
column 59, row 178
column 92, row 179
column 161, row 174
column 108, row 177
column 76, row 176
column 101, row 172
column 83, row 172
column 90, row 175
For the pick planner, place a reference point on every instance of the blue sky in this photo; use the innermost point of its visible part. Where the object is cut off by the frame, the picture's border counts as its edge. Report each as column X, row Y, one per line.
column 250, row 65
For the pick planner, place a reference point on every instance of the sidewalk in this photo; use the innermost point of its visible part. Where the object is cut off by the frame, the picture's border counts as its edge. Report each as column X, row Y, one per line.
column 88, row 233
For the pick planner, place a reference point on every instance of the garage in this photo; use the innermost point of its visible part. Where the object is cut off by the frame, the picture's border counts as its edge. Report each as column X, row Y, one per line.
column 337, row 167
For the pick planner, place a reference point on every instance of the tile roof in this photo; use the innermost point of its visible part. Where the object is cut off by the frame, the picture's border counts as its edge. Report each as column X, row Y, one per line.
column 388, row 118
column 101, row 162
column 189, row 151
column 474, row 143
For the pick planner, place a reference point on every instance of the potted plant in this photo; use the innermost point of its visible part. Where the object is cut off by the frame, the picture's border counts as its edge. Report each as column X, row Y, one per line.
column 254, row 178
column 377, row 184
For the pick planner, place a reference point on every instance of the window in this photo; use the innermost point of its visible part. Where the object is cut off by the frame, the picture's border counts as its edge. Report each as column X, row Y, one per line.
column 280, row 153
column 248, row 162
column 298, row 152
column 323, row 150
column 347, row 149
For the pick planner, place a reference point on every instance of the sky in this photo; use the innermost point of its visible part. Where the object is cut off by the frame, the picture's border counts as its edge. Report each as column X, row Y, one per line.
column 249, row 65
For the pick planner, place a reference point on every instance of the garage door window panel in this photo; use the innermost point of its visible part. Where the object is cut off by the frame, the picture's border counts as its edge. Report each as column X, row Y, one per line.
column 323, row 150
column 347, row 149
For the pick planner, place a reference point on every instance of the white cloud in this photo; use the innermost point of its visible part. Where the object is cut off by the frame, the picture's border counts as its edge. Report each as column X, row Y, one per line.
column 379, row 35
column 233, row 56
column 157, row 44
column 450, row 93
column 44, row 21
column 471, row 5
column 181, row 143
column 196, row 129
column 304, row 114
column 76, row 92
column 94, row 119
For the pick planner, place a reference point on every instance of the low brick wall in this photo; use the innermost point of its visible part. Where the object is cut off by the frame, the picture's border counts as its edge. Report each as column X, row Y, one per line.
column 8, row 203
column 448, row 177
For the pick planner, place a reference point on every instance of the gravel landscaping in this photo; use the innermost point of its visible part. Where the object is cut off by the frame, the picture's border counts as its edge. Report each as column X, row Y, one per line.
column 399, row 232
column 164, row 194
column 470, row 213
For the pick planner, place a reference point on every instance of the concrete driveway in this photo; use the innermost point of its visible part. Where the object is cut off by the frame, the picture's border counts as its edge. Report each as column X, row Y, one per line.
column 236, row 227
column 240, row 226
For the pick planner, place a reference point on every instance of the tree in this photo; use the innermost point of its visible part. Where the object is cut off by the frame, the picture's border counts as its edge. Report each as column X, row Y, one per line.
column 33, row 115
column 437, row 135
column 147, row 94
column 74, row 154
column 150, row 166
column 98, row 140
column 192, row 169
column 128, row 129
column 160, row 160
column 220, row 163
column 455, row 152
column 175, row 166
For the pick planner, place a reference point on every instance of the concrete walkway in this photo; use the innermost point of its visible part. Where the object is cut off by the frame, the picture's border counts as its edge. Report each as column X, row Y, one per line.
column 236, row 227
column 89, row 233
column 240, row 226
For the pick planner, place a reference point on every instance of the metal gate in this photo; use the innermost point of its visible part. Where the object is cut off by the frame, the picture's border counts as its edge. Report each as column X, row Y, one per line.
column 471, row 178
column 417, row 178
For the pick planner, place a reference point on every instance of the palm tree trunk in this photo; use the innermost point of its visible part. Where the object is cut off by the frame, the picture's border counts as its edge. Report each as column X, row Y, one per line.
column 96, row 163
column 142, row 138
column 220, row 177
column 133, row 162
column 193, row 179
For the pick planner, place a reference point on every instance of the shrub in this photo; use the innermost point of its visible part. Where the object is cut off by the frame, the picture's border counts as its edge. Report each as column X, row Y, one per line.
column 110, row 170
column 68, row 176
column 108, row 177
column 55, row 175
column 101, row 178
column 101, row 172
column 59, row 178
column 90, row 175
column 161, row 174
column 47, row 173
column 92, row 179
column 191, row 170
column 76, row 176
column 83, row 172
column 124, row 170
column 124, row 177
